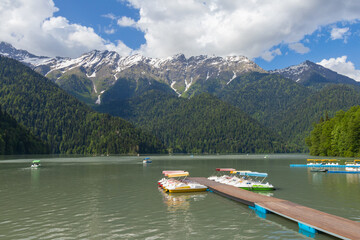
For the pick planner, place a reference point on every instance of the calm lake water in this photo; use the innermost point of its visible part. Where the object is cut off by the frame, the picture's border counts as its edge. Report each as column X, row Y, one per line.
column 117, row 197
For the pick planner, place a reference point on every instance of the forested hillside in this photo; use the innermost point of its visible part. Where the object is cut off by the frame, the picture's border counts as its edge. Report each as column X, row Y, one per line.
column 202, row 124
column 287, row 108
column 338, row 136
column 297, row 121
column 14, row 139
column 259, row 94
column 61, row 121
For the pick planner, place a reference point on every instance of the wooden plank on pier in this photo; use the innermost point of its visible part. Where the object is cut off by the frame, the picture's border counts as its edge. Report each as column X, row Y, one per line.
column 333, row 225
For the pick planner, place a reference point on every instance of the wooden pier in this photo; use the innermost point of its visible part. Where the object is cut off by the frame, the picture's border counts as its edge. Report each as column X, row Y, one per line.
column 308, row 219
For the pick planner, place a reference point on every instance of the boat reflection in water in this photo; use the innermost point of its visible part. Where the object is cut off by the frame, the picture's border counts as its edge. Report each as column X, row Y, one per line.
column 180, row 201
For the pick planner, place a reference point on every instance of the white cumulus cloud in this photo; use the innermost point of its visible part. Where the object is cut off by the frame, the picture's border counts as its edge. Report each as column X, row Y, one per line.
column 299, row 48
column 228, row 27
column 221, row 27
column 343, row 66
column 126, row 22
column 31, row 25
column 269, row 55
column 339, row 33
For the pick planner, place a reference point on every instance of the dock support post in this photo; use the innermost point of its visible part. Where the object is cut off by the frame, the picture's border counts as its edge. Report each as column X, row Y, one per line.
column 261, row 209
column 306, row 230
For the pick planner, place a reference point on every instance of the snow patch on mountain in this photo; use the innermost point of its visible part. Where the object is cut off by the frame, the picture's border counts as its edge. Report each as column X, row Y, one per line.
column 98, row 100
column 188, row 85
column 92, row 75
column 233, row 77
column 294, row 70
column 173, row 88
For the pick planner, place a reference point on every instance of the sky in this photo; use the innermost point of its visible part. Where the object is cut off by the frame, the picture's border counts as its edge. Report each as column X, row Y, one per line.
column 273, row 33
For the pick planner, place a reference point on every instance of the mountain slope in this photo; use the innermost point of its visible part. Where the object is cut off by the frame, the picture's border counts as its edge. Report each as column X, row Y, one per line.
column 297, row 121
column 60, row 120
column 202, row 124
column 259, row 94
column 15, row 139
column 314, row 75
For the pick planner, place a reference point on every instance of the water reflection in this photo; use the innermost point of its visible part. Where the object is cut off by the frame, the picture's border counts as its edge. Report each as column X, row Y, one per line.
column 265, row 193
column 353, row 178
column 35, row 177
column 180, row 201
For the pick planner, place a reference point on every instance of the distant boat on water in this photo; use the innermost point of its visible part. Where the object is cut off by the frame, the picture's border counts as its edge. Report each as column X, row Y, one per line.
column 35, row 164
column 318, row 170
column 147, row 160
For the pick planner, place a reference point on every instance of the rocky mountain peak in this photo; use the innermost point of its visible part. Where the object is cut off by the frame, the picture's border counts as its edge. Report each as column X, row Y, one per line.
column 309, row 74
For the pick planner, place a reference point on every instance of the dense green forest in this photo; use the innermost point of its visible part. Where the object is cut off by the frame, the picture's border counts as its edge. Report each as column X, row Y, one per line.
column 338, row 136
column 296, row 122
column 61, row 121
column 202, row 124
column 15, row 139
column 286, row 107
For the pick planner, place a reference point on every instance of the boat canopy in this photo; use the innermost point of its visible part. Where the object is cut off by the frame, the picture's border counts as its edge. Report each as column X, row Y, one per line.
column 147, row 158
column 36, row 161
column 240, row 172
column 357, row 160
column 225, row 169
column 256, row 174
column 172, row 171
column 183, row 174
column 316, row 160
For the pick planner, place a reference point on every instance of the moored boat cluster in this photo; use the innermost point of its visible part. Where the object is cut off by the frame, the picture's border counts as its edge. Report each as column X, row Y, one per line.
column 248, row 180
column 176, row 181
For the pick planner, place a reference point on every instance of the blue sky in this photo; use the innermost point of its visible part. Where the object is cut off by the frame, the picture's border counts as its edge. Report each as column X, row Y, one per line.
column 275, row 34
column 96, row 14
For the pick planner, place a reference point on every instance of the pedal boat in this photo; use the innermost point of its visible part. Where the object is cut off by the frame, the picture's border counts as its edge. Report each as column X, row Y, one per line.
column 219, row 175
column 253, row 181
column 178, row 183
column 165, row 179
column 35, row 164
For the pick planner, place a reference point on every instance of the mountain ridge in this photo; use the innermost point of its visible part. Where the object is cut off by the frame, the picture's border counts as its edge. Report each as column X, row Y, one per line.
column 104, row 68
column 313, row 75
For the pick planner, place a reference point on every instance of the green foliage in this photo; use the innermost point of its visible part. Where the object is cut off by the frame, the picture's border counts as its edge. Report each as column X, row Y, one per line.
column 339, row 136
column 80, row 87
column 61, row 121
column 281, row 104
column 259, row 94
column 295, row 123
column 15, row 139
column 202, row 124
column 125, row 88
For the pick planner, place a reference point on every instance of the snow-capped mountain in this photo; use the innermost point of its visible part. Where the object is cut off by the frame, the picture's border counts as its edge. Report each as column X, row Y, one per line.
column 312, row 74
column 105, row 68
column 29, row 59
column 177, row 71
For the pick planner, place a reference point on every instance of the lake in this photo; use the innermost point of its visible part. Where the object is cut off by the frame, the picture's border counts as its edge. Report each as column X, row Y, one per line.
column 117, row 197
